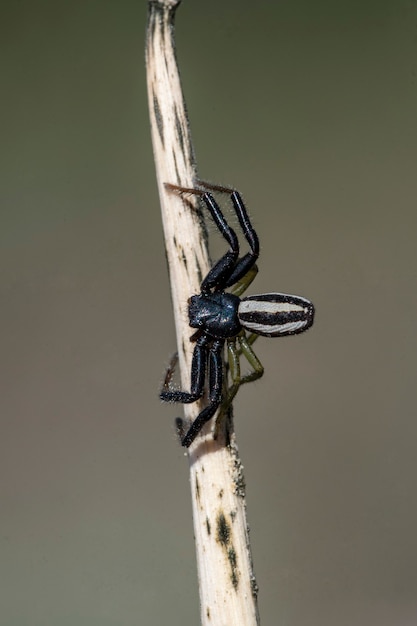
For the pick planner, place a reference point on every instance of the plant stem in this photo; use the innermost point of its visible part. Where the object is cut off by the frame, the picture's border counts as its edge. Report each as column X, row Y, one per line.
column 228, row 590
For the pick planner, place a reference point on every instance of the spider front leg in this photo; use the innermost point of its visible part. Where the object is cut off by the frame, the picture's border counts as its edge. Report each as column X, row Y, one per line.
column 220, row 273
column 245, row 263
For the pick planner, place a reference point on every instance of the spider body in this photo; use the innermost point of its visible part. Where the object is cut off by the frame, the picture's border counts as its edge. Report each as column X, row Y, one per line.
column 221, row 317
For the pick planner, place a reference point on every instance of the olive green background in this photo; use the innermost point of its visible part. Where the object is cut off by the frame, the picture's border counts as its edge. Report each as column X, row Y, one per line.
column 309, row 108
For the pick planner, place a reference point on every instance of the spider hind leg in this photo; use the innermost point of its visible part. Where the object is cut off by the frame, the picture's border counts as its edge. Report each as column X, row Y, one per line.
column 198, row 374
column 234, row 354
column 215, row 363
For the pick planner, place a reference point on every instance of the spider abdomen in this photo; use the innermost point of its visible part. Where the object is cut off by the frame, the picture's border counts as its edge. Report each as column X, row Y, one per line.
column 276, row 314
column 216, row 314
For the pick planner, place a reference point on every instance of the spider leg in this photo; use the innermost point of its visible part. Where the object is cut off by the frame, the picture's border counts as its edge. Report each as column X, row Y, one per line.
column 245, row 263
column 219, row 275
column 243, row 284
column 234, row 354
column 215, row 393
column 170, row 370
column 198, row 374
column 252, row 359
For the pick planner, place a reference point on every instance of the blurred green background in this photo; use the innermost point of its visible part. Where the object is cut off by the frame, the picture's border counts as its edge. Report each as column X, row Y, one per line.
column 309, row 108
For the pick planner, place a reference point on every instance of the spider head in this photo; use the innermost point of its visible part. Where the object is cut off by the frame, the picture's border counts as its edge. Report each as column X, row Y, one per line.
column 215, row 314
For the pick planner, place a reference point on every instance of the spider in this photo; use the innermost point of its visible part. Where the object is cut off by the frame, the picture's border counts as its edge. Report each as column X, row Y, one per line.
column 222, row 317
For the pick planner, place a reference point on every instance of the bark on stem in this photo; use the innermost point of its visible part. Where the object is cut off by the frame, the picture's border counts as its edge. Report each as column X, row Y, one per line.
column 228, row 591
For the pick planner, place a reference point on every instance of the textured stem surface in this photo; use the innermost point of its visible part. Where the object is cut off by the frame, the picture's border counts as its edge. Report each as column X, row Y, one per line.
column 227, row 585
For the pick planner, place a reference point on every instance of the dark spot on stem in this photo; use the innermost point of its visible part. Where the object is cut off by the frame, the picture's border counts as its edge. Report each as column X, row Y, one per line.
column 223, row 530
column 158, row 119
column 231, row 553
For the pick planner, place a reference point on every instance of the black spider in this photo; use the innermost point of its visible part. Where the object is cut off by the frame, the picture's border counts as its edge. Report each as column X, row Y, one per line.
column 220, row 316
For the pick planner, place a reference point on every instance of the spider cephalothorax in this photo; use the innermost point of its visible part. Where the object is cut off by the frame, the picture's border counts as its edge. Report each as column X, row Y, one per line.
column 221, row 317
column 215, row 313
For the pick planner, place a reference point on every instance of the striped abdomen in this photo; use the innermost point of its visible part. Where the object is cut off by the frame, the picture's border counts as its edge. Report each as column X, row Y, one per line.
column 276, row 314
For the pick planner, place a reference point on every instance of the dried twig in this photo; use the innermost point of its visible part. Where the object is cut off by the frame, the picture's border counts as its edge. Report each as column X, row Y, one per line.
column 227, row 584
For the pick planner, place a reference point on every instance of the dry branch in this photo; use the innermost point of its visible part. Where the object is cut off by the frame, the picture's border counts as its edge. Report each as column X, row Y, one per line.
column 227, row 585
